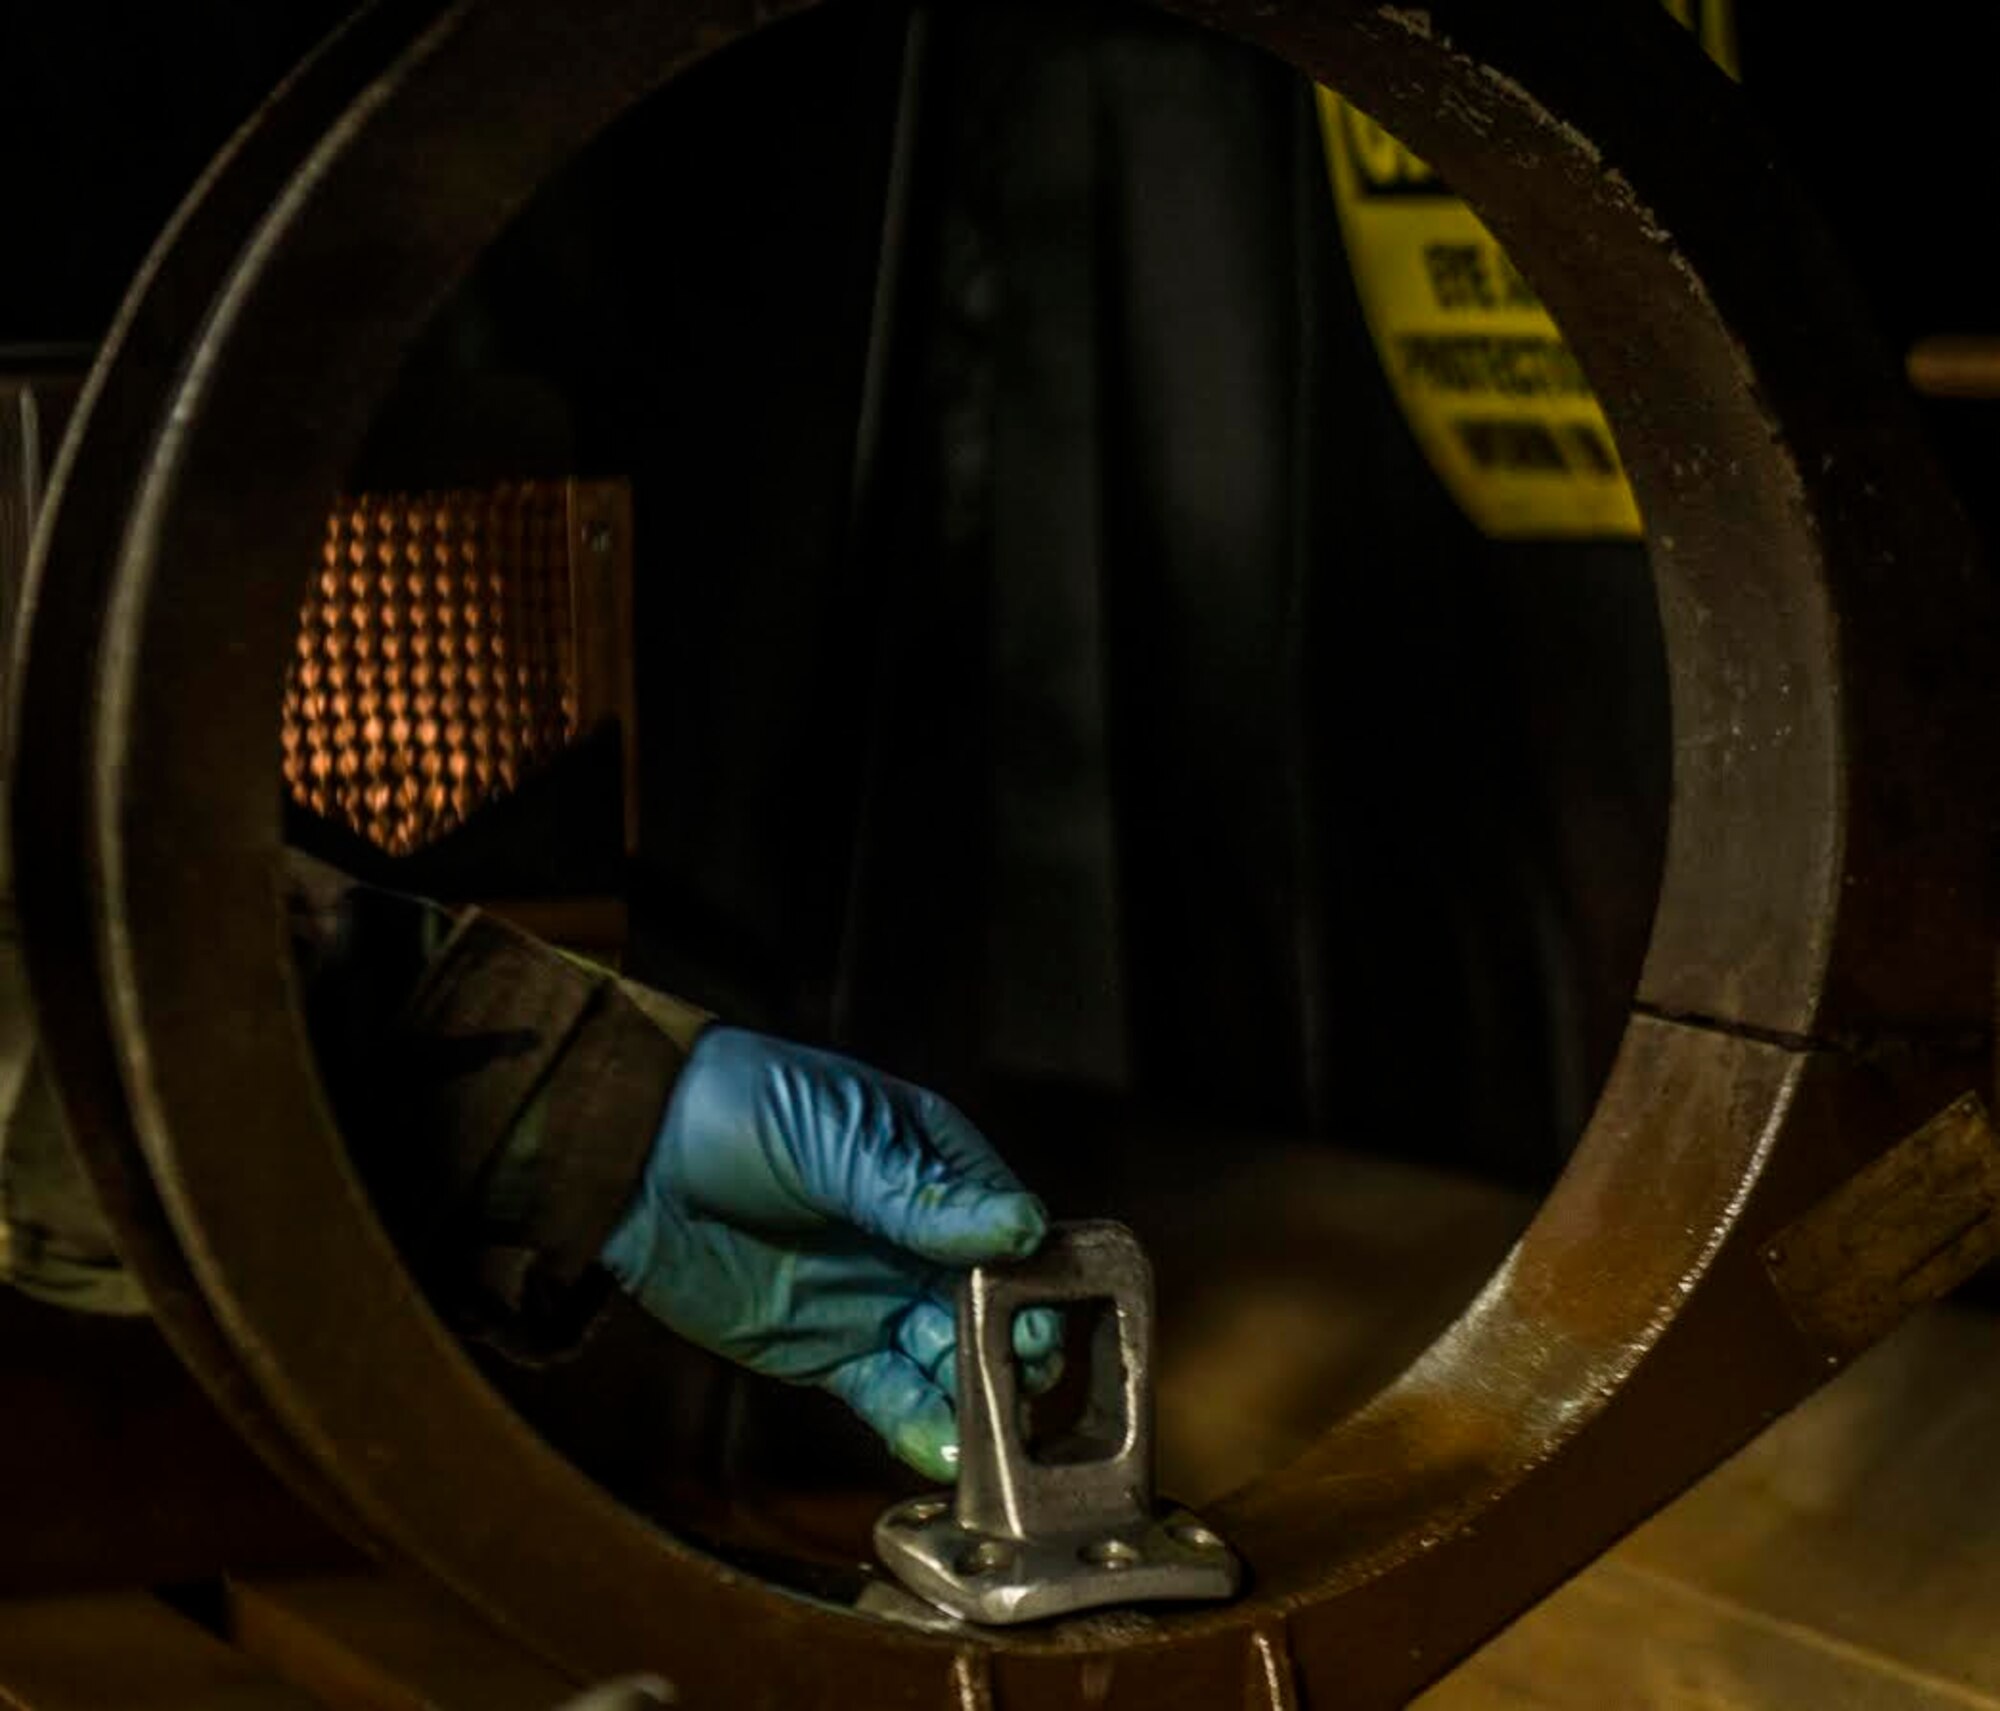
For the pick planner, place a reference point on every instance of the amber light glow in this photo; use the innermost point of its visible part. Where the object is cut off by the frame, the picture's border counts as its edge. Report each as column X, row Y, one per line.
column 436, row 659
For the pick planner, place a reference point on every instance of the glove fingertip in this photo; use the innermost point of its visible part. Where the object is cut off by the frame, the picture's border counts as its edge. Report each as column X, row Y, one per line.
column 1030, row 1226
column 909, row 1413
column 933, row 1456
column 960, row 1225
column 1037, row 1332
column 1013, row 1223
column 927, row 1438
column 1039, row 1377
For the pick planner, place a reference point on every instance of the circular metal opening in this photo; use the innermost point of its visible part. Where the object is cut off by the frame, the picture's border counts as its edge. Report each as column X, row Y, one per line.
column 1807, row 896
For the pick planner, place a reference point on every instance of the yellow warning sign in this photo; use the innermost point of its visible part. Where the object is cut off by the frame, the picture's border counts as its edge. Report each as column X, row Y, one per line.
column 1494, row 396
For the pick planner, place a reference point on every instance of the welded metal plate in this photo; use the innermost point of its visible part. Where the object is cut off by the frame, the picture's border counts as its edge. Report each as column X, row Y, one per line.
column 1028, row 1537
column 984, row 1578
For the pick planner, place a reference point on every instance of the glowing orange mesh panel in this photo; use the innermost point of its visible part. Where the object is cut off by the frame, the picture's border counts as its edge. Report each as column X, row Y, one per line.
column 450, row 643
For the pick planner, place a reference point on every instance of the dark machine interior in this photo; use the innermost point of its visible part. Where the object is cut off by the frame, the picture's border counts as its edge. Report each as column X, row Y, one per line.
column 1060, row 677
column 1062, row 680
column 1023, row 666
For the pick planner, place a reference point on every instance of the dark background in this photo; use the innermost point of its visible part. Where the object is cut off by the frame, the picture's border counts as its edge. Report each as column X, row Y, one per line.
column 1061, row 677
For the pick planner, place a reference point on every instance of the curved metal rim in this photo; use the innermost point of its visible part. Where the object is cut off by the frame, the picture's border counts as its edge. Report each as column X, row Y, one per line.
column 50, row 687
column 1797, row 902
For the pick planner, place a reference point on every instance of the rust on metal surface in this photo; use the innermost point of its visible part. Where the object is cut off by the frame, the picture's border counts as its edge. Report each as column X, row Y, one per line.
column 450, row 644
column 1906, row 1230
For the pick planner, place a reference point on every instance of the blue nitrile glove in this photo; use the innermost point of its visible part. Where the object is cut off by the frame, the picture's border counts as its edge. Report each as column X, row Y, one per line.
column 806, row 1216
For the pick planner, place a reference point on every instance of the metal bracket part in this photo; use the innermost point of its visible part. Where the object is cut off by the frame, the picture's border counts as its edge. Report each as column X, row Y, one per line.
column 1032, row 1537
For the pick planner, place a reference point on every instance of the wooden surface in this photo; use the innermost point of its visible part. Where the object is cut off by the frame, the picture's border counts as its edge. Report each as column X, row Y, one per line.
column 116, row 1469
column 384, row 1642
column 1849, row 1560
column 126, row 1652
column 1622, row 1638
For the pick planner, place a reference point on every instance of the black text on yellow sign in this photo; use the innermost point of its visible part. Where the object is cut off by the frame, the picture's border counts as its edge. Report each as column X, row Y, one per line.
column 1494, row 396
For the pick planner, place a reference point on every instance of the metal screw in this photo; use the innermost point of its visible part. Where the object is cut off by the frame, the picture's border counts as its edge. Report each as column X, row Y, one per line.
column 630, row 1693
column 1194, row 1535
column 1109, row 1553
column 989, row 1556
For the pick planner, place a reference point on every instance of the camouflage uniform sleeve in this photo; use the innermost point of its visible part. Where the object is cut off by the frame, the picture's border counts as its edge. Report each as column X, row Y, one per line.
column 498, row 1096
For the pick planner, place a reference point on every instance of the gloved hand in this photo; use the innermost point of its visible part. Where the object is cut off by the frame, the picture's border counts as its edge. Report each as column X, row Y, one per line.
column 806, row 1215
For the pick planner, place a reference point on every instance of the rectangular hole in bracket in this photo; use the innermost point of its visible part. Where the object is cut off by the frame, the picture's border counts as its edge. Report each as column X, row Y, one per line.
column 1080, row 1416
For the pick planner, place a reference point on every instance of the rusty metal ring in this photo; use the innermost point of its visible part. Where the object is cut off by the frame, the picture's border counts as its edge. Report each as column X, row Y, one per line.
column 1816, row 987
